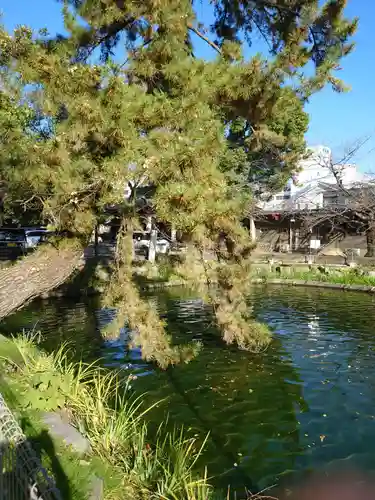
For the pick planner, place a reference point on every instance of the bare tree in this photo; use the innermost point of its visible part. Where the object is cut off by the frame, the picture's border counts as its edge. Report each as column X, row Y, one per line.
column 345, row 202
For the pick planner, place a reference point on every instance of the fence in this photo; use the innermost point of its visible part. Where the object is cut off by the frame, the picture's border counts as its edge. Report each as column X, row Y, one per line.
column 22, row 476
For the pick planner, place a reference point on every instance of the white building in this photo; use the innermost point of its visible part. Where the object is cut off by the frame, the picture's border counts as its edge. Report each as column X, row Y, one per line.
column 305, row 190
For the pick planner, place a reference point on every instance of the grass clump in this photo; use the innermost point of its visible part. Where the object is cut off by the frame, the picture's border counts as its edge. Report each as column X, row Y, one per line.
column 98, row 403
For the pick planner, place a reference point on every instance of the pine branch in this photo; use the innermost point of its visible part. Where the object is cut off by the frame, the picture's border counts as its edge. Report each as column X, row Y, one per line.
column 137, row 50
column 205, row 38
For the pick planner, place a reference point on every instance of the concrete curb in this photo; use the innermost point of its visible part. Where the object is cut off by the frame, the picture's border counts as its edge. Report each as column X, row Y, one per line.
column 66, row 432
column 162, row 284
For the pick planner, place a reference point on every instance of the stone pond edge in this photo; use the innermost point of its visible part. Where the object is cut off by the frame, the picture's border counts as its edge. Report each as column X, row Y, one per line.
column 279, row 281
column 316, row 284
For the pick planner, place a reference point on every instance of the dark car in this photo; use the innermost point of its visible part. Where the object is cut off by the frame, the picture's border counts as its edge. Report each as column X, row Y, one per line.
column 12, row 243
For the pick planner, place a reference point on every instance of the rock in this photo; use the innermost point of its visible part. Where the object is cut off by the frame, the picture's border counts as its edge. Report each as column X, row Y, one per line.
column 323, row 270
column 334, row 252
column 65, row 431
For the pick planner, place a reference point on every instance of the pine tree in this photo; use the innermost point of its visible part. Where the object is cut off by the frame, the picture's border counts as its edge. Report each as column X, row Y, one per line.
column 203, row 133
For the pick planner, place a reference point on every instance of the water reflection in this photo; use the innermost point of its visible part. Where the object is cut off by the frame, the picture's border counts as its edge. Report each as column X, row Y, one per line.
column 306, row 403
column 61, row 321
column 117, row 353
column 313, row 326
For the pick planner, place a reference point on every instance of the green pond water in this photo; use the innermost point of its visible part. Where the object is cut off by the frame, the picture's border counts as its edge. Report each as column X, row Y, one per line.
column 307, row 403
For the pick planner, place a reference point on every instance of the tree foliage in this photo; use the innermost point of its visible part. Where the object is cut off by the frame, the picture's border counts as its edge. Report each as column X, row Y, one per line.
column 197, row 130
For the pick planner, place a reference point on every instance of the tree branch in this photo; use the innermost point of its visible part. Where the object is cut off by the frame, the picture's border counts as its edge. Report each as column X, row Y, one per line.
column 206, row 39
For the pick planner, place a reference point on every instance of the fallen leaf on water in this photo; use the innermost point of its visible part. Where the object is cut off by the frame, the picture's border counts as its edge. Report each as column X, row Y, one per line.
column 322, row 437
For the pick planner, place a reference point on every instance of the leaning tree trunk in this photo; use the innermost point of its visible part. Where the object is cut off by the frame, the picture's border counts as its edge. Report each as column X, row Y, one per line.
column 370, row 240
column 36, row 275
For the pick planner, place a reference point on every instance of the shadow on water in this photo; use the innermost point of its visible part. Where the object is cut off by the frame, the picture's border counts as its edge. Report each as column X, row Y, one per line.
column 231, row 395
column 307, row 403
column 242, row 478
column 60, row 321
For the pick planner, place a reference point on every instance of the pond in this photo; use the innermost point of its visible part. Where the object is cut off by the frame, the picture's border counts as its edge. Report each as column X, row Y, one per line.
column 308, row 402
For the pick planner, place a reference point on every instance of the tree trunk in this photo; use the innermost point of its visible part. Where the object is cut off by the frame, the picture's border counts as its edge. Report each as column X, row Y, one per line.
column 152, row 247
column 253, row 231
column 370, row 240
column 35, row 275
column 96, row 240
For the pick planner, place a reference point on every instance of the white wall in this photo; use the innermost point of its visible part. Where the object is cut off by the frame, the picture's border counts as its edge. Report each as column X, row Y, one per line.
column 315, row 167
column 312, row 199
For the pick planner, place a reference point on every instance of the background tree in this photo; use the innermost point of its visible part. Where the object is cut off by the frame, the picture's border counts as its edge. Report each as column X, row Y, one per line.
column 263, row 162
column 355, row 203
column 15, row 121
column 169, row 117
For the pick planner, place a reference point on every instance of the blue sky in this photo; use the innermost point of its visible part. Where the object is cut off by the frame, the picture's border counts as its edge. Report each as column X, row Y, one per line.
column 336, row 120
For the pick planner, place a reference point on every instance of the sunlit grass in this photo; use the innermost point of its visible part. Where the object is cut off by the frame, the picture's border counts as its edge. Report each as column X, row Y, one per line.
column 343, row 277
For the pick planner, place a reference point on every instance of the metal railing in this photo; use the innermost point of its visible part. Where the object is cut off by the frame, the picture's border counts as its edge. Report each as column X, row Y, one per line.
column 22, row 476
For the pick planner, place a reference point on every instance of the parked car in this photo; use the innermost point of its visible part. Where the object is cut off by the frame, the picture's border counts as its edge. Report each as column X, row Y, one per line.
column 35, row 236
column 141, row 242
column 12, row 243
